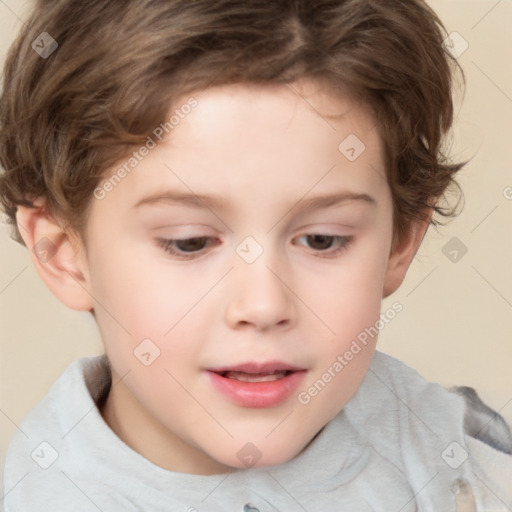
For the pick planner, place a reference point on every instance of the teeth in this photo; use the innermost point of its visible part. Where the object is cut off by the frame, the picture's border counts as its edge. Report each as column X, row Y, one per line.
column 255, row 377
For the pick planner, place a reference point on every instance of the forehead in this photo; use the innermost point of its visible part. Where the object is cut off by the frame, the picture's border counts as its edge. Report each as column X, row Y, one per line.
column 274, row 143
column 264, row 116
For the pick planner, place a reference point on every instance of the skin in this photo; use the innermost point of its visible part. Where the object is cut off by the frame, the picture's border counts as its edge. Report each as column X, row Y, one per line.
column 265, row 151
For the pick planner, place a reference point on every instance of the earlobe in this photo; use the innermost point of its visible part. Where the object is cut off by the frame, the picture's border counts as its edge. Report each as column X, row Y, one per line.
column 402, row 255
column 55, row 255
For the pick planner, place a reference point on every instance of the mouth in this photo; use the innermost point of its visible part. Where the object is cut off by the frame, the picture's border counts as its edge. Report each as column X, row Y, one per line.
column 256, row 372
column 255, row 377
column 257, row 384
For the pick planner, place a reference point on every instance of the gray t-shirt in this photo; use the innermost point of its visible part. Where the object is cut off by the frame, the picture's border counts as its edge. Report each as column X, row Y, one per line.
column 398, row 445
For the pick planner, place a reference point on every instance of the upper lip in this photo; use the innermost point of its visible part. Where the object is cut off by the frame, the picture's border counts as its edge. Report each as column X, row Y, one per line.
column 255, row 367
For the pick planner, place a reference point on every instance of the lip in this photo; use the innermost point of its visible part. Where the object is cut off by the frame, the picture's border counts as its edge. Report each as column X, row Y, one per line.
column 257, row 394
column 254, row 367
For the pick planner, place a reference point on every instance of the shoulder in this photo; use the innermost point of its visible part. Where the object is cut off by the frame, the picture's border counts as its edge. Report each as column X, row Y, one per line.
column 459, row 404
column 41, row 441
column 404, row 413
column 427, row 425
column 395, row 381
column 82, row 383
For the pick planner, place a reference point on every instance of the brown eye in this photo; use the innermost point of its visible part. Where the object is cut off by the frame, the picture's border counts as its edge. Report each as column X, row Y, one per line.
column 327, row 245
column 320, row 242
column 191, row 244
column 185, row 247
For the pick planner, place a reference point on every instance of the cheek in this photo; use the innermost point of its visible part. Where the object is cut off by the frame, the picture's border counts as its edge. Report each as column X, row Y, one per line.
column 349, row 303
column 350, row 298
column 137, row 299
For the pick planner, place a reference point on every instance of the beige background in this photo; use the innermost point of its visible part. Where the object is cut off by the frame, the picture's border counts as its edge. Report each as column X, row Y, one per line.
column 456, row 324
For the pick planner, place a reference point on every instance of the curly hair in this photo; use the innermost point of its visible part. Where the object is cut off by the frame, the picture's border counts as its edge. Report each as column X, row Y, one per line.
column 119, row 65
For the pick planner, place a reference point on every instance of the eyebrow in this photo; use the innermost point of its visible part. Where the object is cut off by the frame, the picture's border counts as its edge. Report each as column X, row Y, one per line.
column 214, row 202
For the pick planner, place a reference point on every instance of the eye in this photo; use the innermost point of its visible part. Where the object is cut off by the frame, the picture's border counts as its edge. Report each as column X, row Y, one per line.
column 186, row 248
column 327, row 245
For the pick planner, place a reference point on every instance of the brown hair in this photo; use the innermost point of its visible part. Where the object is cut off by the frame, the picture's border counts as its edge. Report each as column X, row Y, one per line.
column 66, row 118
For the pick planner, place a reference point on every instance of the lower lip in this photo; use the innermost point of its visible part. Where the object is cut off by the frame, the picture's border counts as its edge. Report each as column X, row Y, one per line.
column 257, row 394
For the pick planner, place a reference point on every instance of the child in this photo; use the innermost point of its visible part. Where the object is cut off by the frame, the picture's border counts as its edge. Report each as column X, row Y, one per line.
column 231, row 188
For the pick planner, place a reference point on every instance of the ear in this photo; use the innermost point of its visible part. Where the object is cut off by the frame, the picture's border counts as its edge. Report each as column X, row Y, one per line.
column 402, row 254
column 56, row 255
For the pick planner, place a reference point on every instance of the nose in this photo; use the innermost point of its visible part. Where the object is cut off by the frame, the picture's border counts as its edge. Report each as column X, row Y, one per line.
column 260, row 296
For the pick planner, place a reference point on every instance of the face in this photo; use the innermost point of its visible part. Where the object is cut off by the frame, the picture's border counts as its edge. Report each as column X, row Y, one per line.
column 232, row 269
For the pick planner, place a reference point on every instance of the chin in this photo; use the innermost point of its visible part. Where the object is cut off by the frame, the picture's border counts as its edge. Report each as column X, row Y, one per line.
column 259, row 455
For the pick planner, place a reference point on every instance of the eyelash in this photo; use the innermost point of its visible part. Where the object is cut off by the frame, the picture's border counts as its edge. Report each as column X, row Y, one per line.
column 167, row 244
